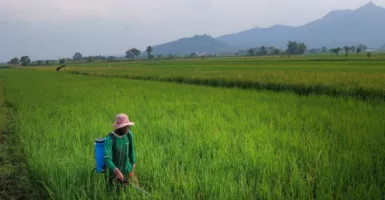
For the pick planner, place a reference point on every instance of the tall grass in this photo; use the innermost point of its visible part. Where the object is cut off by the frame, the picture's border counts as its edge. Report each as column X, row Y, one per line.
column 199, row 143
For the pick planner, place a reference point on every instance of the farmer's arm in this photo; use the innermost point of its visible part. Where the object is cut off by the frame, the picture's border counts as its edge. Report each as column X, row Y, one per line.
column 132, row 150
column 108, row 154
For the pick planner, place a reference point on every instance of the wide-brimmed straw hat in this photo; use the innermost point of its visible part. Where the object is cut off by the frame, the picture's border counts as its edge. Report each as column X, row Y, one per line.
column 121, row 120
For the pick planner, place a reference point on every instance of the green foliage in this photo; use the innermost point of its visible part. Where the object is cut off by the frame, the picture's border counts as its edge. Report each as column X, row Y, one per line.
column 369, row 54
column 62, row 61
column 336, row 51
column 90, row 59
column 149, row 51
column 277, row 51
column 252, row 52
column 348, row 49
column 14, row 61
column 263, row 50
column 361, row 48
column 134, row 51
column 25, row 60
column 77, row 56
column 294, row 48
column 198, row 142
column 111, row 58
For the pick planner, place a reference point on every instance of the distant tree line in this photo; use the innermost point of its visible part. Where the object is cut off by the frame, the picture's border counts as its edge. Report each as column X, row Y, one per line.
column 260, row 51
column 293, row 48
column 349, row 49
column 24, row 61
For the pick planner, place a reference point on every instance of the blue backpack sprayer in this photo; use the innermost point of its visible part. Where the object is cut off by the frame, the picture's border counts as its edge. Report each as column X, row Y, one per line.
column 99, row 159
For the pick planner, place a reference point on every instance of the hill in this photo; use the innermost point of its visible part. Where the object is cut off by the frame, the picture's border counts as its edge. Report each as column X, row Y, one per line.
column 338, row 28
column 198, row 43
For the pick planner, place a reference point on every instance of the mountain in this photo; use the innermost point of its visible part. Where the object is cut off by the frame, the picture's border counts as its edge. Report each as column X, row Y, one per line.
column 364, row 25
column 197, row 43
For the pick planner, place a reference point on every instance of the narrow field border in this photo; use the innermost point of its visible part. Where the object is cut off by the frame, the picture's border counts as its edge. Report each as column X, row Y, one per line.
column 302, row 90
column 14, row 180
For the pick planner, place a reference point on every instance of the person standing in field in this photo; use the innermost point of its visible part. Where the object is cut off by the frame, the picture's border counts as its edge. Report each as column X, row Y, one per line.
column 119, row 153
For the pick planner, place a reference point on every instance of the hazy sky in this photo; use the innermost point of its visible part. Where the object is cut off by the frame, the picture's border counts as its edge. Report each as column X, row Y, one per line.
column 52, row 28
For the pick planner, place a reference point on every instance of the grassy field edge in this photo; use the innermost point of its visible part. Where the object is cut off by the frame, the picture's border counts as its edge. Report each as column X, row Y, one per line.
column 14, row 180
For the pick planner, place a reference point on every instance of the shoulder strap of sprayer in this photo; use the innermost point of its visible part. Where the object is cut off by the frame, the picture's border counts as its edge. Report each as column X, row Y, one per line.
column 113, row 138
column 129, row 136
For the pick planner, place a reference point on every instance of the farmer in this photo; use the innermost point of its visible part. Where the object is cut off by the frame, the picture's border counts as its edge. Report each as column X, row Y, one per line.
column 119, row 153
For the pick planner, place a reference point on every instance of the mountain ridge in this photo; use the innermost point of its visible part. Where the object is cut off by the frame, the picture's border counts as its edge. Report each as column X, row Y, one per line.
column 336, row 28
column 327, row 30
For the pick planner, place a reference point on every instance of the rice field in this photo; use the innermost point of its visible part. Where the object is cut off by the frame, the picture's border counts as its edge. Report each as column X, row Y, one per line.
column 198, row 142
column 354, row 77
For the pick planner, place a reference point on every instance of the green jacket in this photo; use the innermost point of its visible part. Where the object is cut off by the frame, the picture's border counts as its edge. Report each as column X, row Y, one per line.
column 121, row 155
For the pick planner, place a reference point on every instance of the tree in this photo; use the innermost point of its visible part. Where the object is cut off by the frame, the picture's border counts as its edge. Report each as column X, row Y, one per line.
column 336, row 51
column 47, row 62
column 292, row 47
column 129, row 54
column 134, row 51
column 25, row 60
column 347, row 49
column 353, row 48
column 369, row 54
column 149, row 51
column 270, row 50
column 296, row 48
column 40, row 62
column 251, row 52
column 301, row 48
column 263, row 50
column 77, row 56
column 277, row 51
column 14, row 61
column 360, row 48
column 62, row 61
column 90, row 59
column 110, row 58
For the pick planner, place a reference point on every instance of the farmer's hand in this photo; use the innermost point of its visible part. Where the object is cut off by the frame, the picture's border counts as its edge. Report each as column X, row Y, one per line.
column 119, row 175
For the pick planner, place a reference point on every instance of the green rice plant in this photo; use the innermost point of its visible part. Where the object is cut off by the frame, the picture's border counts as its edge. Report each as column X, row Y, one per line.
column 196, row 142
column 360, row 78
